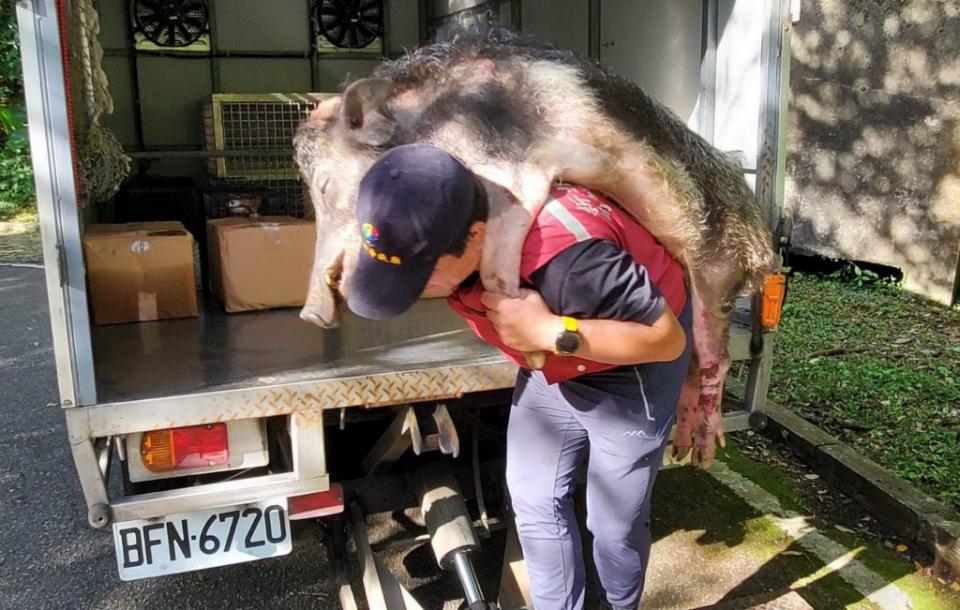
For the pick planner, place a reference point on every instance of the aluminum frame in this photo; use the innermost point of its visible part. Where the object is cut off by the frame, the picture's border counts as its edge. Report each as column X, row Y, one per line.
column 771, row 175
column 57, row 202
column 771, row 150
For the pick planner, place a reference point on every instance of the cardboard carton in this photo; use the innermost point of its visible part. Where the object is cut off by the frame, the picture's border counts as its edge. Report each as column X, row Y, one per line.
column 260, row 263
column 138, row 272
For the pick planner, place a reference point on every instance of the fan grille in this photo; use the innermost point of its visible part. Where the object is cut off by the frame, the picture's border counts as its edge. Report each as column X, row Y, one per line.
column 350, row 24
column 171, row 23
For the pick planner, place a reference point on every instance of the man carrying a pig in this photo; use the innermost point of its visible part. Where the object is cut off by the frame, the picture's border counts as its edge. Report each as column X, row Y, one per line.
column 605, row 302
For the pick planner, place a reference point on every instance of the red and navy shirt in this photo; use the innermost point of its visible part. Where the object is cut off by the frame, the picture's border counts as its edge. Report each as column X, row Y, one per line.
column 589, row 260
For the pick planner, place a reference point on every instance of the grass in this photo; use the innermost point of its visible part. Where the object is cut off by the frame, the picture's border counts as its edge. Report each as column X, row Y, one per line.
column 26, row 215
column 880, row 369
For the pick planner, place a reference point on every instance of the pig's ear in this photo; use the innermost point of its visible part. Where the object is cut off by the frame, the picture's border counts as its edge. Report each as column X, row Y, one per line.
column 325, row 110
column 364, row 112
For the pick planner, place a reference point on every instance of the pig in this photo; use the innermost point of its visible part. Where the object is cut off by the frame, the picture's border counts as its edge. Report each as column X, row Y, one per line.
column 523, row 115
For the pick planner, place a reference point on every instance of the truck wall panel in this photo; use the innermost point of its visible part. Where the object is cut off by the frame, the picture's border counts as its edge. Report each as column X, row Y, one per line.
column 564, row 23
column 172, row 93
column 255, row 25
column 255, row 75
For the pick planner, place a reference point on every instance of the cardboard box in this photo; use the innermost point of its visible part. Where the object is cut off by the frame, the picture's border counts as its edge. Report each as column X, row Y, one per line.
column 138, row 272
column 260, row 263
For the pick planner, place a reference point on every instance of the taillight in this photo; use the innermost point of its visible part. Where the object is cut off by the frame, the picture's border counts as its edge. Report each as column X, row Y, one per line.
column 188, row 447
column 774, row 288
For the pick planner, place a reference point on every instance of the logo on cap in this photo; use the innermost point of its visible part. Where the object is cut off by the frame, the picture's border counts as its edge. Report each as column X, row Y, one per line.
column 370, row 236
column 369, row 233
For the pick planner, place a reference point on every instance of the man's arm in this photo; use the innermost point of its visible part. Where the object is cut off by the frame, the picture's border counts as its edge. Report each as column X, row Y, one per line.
column 622, row 342
column 623, row 317
column 527, row 324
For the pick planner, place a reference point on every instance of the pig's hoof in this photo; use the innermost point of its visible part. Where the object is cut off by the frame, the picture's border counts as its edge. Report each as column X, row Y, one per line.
column 709, row 436
column 679, row 452
column 535, row 360
column 314, row 315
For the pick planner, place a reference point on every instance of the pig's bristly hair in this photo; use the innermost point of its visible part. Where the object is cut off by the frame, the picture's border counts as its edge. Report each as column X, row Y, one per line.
column 731, row 223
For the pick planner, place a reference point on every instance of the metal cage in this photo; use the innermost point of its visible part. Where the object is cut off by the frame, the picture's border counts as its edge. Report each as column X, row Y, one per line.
column 257, row 123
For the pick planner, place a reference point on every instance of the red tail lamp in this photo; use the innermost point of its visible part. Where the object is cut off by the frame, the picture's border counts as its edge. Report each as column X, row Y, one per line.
column 183, row 448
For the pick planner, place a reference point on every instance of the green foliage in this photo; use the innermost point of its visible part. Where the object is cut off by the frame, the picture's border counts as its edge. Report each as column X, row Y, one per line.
column 880, row 368
column 854, row 274
column 11, row 80
column 16, row 175
column 16, row 188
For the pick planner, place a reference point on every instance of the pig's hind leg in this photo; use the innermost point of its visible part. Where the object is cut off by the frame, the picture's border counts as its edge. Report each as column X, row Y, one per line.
column 663, row 198
column 713, row 374
column 710, row 333
column 688, row 412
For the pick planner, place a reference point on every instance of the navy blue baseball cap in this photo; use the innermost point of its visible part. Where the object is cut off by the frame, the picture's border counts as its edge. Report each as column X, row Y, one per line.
column 412, row 204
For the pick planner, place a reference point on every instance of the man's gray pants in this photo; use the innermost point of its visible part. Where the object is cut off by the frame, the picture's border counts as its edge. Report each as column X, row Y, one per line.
column 620, row 424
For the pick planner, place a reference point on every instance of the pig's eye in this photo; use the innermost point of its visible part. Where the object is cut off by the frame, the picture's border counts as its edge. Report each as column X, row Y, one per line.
column 323, row 189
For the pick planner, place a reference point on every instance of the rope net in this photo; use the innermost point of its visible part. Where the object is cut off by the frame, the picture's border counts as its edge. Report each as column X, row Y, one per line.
column 102, row 164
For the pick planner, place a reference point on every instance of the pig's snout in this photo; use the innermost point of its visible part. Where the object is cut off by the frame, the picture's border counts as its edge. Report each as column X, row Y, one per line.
column 321, row 316
column 321, row 307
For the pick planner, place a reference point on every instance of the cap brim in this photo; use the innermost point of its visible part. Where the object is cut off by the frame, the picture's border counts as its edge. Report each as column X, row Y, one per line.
column 379, row 290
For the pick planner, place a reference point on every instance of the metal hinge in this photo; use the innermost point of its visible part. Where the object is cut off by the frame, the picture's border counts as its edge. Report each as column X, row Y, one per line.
column 62, row 263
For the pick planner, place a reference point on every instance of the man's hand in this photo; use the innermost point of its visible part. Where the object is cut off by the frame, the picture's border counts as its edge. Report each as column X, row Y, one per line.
column 525, row 323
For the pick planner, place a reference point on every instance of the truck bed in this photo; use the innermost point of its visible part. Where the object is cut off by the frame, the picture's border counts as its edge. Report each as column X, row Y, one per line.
column 427, row 347
column 220, row 351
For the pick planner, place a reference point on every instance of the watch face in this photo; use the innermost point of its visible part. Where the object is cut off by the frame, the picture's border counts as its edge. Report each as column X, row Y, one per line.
column 568, row 342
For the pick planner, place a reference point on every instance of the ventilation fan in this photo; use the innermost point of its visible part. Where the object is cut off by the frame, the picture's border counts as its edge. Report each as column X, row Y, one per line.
column 172, row 25
column 349, row 25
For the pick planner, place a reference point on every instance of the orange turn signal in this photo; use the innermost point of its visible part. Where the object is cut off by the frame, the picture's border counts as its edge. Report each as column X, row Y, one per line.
column 771, row 306
column 187, row 447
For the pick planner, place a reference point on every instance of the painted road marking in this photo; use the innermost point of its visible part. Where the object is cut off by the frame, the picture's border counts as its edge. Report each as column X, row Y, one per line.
column 836, row 557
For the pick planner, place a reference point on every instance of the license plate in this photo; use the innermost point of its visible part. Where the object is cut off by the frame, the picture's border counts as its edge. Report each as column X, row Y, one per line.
column 200, row 540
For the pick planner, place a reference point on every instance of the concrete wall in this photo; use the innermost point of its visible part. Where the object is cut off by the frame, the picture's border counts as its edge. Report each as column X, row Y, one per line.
column 874, row 139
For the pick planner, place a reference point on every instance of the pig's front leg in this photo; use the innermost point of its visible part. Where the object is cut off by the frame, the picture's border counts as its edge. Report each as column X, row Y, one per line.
column 515, row 196
column 507, row 226
column 321, row 306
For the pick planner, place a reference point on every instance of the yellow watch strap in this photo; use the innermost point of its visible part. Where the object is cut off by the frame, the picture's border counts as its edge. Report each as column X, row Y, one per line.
column 570, row 324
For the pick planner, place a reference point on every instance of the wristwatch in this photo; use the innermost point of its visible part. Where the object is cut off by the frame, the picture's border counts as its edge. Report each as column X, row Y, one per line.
column 569, row 339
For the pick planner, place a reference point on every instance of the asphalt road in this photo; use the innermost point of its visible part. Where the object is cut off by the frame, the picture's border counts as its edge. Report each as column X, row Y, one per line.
column 49, row 557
